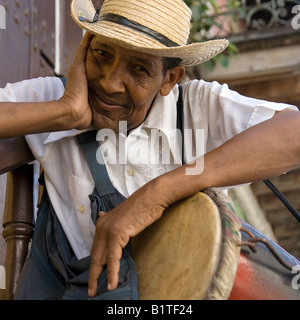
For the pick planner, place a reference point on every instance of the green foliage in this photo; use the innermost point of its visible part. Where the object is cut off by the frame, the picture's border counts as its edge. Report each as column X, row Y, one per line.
column 208, row 16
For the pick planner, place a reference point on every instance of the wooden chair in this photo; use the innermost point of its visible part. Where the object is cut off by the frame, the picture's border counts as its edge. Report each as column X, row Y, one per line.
column 18, row 226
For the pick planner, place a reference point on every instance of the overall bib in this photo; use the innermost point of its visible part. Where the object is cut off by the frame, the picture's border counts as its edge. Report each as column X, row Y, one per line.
column 52, row 270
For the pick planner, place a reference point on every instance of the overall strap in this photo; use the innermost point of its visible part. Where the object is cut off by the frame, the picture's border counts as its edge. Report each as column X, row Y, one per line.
column 63, row 80
column 90, row 146
column 180, row 110
column 180, row 121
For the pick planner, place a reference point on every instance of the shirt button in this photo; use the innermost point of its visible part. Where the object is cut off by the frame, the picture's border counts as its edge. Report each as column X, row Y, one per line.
column 131, row 172
column 82, row 209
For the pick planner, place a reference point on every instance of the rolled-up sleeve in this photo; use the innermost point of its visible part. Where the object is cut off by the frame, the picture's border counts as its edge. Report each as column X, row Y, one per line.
column 223, row 113
column 34, row 90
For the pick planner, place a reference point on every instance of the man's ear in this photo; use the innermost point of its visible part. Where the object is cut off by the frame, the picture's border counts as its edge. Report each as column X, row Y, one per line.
column 173, row 76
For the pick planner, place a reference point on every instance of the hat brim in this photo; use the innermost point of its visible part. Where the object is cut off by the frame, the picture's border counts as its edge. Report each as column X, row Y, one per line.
column 191, row 54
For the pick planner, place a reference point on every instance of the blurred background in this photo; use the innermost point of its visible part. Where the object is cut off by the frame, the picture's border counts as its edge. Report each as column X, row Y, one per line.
column 38, row 38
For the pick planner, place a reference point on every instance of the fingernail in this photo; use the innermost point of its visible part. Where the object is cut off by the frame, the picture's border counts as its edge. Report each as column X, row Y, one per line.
column 101, row 214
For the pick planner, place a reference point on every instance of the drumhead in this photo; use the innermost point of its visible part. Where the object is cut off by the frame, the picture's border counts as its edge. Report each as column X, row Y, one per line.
column 178, row 257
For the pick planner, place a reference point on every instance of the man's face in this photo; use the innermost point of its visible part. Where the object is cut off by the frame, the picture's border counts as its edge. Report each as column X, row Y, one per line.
column 122, row 84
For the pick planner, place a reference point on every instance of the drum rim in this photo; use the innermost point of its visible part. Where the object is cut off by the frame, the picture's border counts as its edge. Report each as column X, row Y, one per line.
column 226, row 270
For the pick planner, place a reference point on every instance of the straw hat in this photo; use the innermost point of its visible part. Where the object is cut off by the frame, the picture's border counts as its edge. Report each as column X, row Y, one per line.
column 156, row 27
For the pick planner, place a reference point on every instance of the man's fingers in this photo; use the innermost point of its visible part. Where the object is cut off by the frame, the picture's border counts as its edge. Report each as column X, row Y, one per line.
column 112, row 260
column 113, row 268
column 97, row 265
column 83, row 47
column 95, row 271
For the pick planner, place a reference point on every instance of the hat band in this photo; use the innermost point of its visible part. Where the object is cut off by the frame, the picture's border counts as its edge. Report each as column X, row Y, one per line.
column 138, row 27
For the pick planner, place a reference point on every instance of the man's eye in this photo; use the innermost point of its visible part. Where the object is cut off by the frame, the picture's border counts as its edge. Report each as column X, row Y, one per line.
column 141, row 69
column 101, row 52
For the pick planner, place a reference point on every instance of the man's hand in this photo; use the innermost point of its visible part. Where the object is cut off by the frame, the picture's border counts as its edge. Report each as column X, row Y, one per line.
column 115, row 228
column 72, row 111
column 75, row 97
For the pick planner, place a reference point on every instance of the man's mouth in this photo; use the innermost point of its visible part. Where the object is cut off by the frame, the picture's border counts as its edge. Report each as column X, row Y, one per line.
column 102, row 103
column 110, row 104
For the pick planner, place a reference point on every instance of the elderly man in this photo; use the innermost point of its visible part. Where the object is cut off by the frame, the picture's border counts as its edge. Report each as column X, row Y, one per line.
column 124, row 80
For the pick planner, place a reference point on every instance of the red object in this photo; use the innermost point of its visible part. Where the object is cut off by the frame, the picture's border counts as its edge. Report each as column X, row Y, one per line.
column 260, row 275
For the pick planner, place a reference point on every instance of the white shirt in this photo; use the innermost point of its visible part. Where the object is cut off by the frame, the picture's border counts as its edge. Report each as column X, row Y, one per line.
column 213, row 112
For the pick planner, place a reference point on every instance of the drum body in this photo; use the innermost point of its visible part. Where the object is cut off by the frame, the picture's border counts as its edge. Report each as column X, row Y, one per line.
column 199, row 250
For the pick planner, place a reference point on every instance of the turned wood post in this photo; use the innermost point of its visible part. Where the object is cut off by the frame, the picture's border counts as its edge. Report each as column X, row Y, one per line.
column 17, row 224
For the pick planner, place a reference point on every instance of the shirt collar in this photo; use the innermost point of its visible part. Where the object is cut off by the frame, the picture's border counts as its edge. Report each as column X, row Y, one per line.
column 161, row 117
column 163, row 112
column 56, row 136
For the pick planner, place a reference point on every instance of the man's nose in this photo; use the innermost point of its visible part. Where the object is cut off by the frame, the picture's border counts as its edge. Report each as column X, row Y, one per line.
column 113, row 79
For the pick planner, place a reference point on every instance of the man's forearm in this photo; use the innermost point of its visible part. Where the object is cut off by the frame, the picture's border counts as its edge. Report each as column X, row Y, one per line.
column 19, row 119
column 266, row 150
